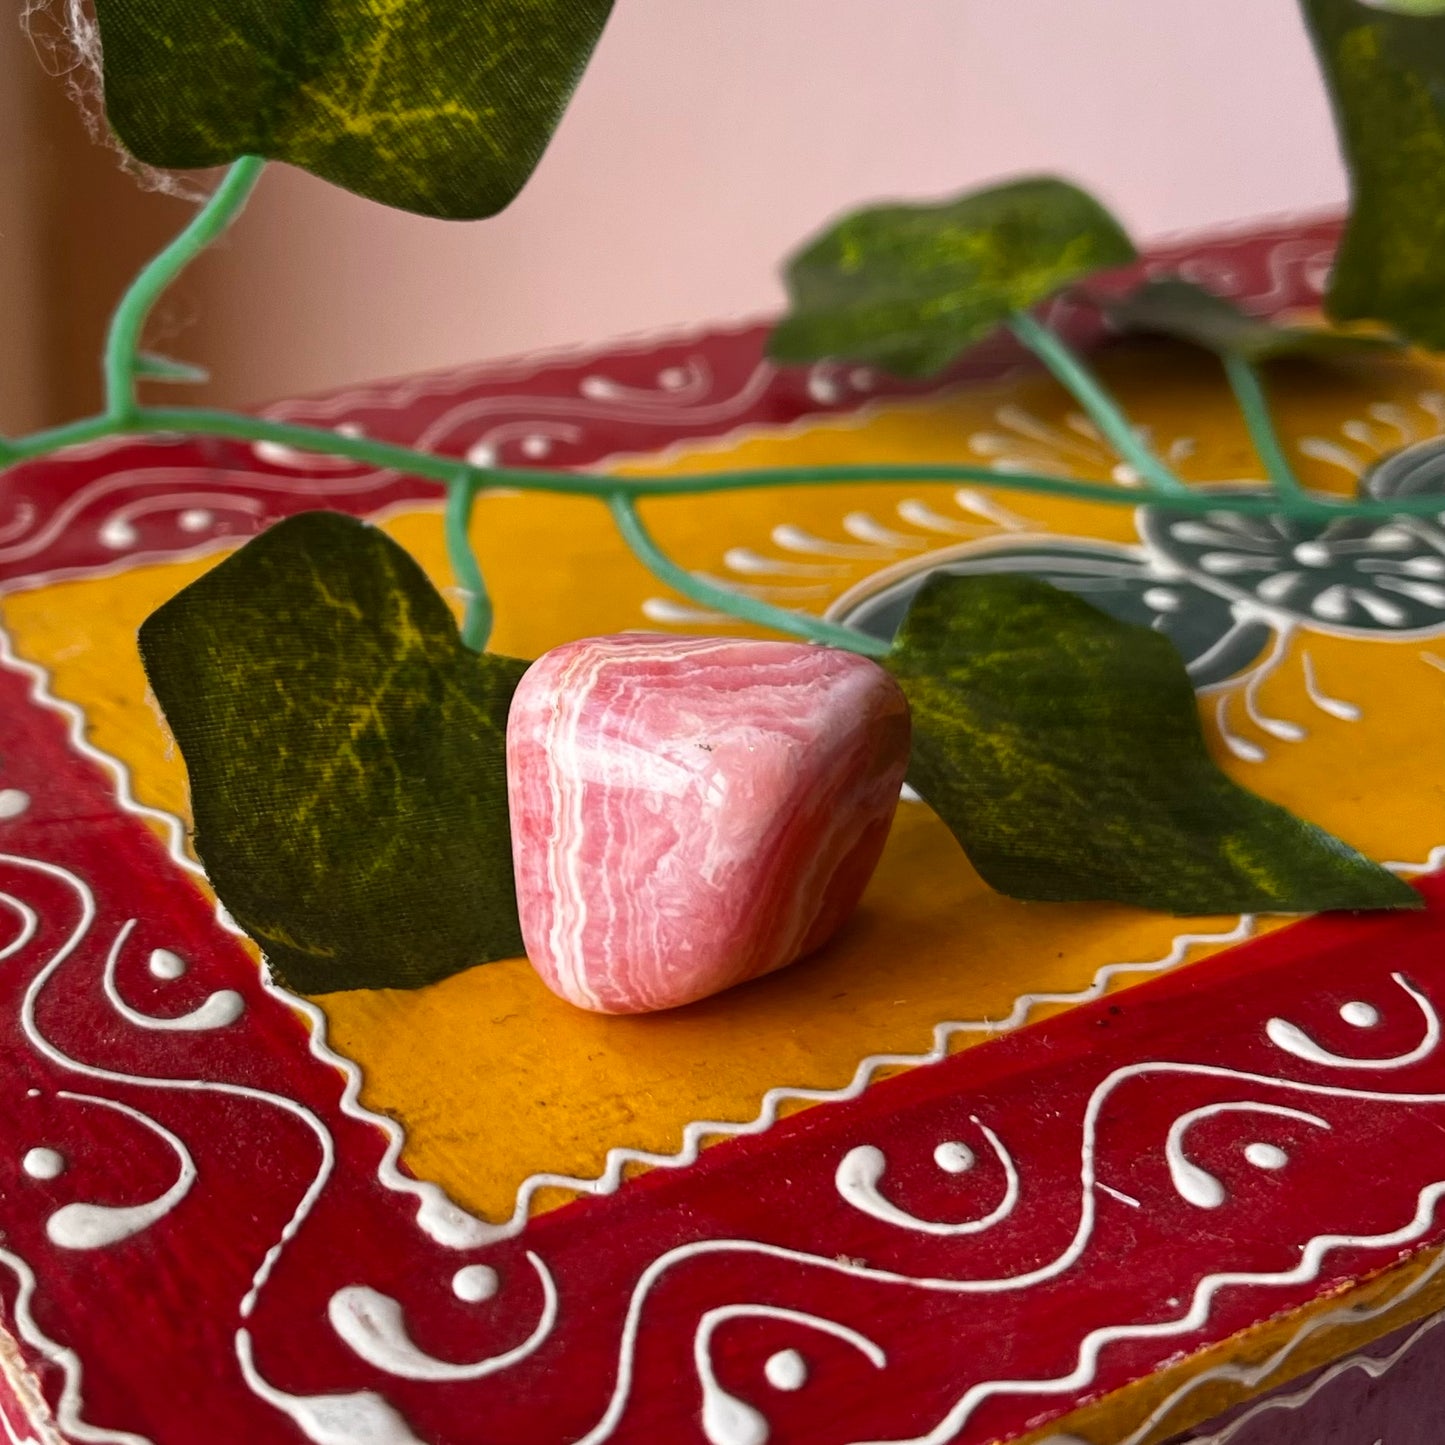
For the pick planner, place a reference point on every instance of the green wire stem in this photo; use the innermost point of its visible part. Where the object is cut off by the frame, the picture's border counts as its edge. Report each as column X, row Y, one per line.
column 624, row 513
column 1249, row 393
column 181, row 421
column 1089, row 392
column 200, row 421
column 124, row 416
column 122, row 343
column 477, row 617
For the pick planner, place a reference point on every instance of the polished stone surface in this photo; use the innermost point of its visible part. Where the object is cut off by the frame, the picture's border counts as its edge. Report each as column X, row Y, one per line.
column 689, row 813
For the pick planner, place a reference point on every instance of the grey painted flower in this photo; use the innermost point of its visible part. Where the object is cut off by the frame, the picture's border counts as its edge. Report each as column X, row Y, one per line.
column 1221, row 586
column 1352, row 577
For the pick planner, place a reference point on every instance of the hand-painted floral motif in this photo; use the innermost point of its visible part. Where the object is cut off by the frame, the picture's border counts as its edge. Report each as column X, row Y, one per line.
column 1221, row 585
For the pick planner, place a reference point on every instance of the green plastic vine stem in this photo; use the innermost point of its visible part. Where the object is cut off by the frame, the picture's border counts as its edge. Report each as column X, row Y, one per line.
column 124, row 416
column 122, row 343
column 623, row 507
column 181, row 421
column 477, row 605
column 1248, row 390
column 1102, row 409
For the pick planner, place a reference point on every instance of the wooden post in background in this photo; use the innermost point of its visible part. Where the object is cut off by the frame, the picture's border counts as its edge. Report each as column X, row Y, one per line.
column 74, row 229
column 21, row 385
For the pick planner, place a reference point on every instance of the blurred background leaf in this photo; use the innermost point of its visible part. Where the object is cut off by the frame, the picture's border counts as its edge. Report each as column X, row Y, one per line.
column 1174, row 307
column 1386, row 72
column 907, row 288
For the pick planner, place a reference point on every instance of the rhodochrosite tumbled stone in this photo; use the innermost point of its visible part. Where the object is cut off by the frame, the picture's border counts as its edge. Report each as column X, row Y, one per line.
column 688, row 813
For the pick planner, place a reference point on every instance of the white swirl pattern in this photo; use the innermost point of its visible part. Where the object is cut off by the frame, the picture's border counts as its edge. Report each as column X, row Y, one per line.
column 374, row 1326
column 862, row 1168
column 98, row 1226
column 218, row 1011
column 1293, row 1040
column 726, row 1420
column 1198, row 1185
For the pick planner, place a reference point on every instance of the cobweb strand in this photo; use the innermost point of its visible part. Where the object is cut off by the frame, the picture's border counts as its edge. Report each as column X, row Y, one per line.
column 66, row 38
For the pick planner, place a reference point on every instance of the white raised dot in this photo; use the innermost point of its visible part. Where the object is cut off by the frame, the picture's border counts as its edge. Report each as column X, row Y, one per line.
column 195, row 519
column 787, row 1370
column 1161, row 599
column 43, row 1163
column 117, row 533
column 475, row 1283
column 165, row 964
column 953, row 1157
column 13, row 802
column 1277, row 587
column 1418, row 566
column 673, row 378
column 1360, row 1015
column 536, row 446
column 1230, row 564
column 1312, row 554
column 1266, row 1156
column 1333, row 604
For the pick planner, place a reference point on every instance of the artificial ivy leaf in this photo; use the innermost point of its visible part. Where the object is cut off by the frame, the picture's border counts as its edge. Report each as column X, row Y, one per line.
column 1214, row 640
column 1178, row 308
column 437, row 106
column 907, row 288
column 1386, row 73
column 346, row 758
column 1063, row 749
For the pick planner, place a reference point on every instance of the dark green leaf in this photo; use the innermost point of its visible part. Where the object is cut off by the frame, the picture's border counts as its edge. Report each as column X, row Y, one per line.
column 1178, row 308
column 346, row 758
column 437, row 106
column 1063, row 749
column 907, row 288
column 1386, row 74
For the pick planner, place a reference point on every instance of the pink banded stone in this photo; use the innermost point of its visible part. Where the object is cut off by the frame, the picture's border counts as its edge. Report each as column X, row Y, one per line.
column 688, row 813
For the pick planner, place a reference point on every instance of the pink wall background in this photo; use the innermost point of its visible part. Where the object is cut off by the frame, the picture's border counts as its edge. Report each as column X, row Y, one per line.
column 710, row 136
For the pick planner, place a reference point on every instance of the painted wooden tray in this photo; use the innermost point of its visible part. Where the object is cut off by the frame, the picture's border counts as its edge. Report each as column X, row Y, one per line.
column 1187, row 1161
